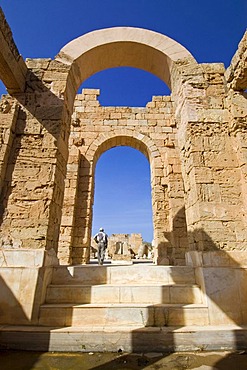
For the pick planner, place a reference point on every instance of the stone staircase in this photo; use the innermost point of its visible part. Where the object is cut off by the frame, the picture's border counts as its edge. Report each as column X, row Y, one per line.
column 139, row 295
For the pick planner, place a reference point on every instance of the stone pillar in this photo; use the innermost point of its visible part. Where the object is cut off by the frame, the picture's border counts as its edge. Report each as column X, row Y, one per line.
column 68, row 211
column 34, row 183
column 83, row 214
column 236, row 78
column 209, row 162
column 160, row 213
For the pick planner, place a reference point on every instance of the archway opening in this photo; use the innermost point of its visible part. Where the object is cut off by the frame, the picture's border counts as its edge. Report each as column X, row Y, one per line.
column 120, row 47
column 108, row 49
column 125, row 86
column 122, row 201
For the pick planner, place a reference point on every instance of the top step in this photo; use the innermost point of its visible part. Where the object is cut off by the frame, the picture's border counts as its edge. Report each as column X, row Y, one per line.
column 129, row 274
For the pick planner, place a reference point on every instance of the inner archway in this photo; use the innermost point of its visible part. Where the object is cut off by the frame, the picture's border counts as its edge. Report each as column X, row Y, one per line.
column 122, row 201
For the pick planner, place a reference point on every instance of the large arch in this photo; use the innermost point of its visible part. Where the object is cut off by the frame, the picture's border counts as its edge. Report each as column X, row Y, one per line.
column 121, row 46
column 58, row 82
column 116, row 47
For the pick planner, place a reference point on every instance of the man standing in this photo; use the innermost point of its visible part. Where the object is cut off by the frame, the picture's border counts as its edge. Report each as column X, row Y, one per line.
column 101, row 239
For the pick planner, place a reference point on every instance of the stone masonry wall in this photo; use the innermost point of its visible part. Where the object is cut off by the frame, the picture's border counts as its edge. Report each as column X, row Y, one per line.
column 211, row 167
column 95, row 129
column 32, row 190
column 195, row 142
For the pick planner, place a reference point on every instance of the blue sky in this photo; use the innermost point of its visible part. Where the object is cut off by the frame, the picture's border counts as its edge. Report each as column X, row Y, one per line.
column 209, row 29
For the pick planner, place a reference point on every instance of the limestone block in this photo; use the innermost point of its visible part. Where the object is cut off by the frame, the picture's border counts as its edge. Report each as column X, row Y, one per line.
column 218, row 258
column 182, row 294
column 202, row 175
column 236, row 74
column 21, row 257
column 238, row 106
column 55, row 76
column 22, row 292
column 91, row 92
column 185, row 315
column 222, row 295
column 38, row 63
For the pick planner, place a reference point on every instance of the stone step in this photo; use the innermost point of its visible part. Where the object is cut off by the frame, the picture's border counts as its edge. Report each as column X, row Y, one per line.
column 126, row 339
column 115, row 274
column 116, row 315
column 152, row 294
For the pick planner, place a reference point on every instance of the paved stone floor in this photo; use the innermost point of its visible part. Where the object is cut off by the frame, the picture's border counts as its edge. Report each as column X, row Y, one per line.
column 21, row 360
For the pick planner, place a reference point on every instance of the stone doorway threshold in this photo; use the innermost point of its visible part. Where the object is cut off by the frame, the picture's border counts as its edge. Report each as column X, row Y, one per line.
column 124, row 339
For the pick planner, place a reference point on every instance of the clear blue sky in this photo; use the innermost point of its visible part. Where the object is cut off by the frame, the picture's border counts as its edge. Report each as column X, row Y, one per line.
column 209, row 29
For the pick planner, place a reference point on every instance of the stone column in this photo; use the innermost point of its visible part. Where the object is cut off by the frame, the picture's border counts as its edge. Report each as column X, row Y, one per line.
column 68, row 211
column 209, row 163
column 236, row 78
column 160, row 212
column 33, row 187
column 81, row 238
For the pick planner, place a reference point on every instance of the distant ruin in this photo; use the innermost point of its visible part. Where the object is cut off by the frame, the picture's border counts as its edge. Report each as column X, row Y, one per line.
column 126, row 245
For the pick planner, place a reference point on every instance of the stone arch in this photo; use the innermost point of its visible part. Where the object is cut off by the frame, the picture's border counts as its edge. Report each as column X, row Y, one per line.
column 13, row 69
column 77, row 248
column 147, row 147
column 121, row 46
column 98, row 50
column 116, row 47
column 125, row 137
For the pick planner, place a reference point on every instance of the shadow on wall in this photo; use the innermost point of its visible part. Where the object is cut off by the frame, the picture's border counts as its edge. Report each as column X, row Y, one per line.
column 35, row 165
column 178, row 239
column 10, row 304
column 37, row 141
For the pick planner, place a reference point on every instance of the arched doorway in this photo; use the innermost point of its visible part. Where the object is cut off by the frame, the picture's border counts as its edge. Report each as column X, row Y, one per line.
column 122, row 202
column 153, row 127
column 90, row 137
column 138, row 48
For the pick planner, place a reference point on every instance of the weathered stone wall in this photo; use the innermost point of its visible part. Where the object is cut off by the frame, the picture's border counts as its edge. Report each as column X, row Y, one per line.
column 95, row 129
column 33, row 186
column 214, row 197
column 194, row 141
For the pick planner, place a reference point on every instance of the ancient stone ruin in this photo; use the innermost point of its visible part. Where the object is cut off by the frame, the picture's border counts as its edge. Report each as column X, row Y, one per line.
column 126, row 247
column 50, row 141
